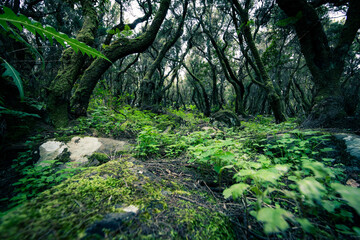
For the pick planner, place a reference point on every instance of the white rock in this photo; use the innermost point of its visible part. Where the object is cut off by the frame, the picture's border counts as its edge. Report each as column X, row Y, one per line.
column 352, row 143
column 131, row 208
column 50, row 150
column 82, row 148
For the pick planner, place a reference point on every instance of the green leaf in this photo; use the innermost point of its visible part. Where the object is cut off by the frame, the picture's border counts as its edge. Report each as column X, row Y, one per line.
column 357, row 231
column 17, row 113
column 46, row 31
column 274, row 219
column 330, row 206
column 349, row 194
column 311, row 188
column 267, row 175
column 236, row 190
column 306, row 225
column 10, row 71
column 319, row 169
column 326, row 150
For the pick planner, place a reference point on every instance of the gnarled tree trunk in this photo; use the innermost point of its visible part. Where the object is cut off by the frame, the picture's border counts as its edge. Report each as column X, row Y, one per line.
column 71, row 62
column 115, row 51
column 326, row 64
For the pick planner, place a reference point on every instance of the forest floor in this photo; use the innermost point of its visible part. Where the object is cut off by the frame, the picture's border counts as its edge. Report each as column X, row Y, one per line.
column 187, row 178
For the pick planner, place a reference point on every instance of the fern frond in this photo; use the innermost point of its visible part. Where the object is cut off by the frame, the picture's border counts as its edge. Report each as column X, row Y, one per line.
column 48, row 32
column 10, row 71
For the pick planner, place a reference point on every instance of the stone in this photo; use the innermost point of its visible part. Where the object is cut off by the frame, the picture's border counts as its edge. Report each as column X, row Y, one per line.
column 112, row 222
column 227, row 117
column 131, row 208
column 112, row 146
column 50, row 150
column 81, row 148
column 352, row 143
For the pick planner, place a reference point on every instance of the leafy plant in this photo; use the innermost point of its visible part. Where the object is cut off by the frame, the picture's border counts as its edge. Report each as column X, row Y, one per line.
column 290, row 184
column 48, row 32
column 10, row 71
column 9, row 19
column 39, row 177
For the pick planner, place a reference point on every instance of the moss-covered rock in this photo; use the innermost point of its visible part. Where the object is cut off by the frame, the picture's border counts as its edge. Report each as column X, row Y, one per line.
column 98, row 197
column 227, row 117
column 99, row 157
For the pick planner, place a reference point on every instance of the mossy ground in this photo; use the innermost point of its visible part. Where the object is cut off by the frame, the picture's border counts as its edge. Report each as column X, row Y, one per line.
column 166, row 210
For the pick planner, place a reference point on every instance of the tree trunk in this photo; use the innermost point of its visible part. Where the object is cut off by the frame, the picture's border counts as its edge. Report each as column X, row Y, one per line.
column 115, row 51
column 326, row 64
column 148, row 86
column 60, row 89
column 275, row 100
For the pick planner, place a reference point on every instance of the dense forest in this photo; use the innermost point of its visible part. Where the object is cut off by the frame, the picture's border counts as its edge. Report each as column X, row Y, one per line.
column 167, row 119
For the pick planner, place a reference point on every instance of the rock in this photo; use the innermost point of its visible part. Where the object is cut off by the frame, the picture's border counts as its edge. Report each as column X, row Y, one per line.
column 352, row 183
column 209, row 129
column 352, row 143
column 50, row 150
column 227, row 117
column 81, row 148
column 112, row 146
column 131, row 208
column 112, row 222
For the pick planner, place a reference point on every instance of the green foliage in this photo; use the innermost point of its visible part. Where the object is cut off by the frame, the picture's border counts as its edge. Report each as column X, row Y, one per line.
column 290, row 20
column 39, row 177
column 153, row 143
column 274, row 219
column 125, row 33
column 284, row 177
column 149, row 141
column 291, row 158
column 15, row 113
column 48, row 32
column 10, row 71
column 349, row 194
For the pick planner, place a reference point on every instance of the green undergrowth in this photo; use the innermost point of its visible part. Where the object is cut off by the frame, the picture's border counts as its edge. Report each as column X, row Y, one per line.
column 287, row 183
column 67, row 210
column 286, row 180
column 127, row 122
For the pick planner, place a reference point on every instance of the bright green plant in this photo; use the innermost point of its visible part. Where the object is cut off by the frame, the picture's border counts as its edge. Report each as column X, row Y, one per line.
column 149, row 142
column 293, row 185
column 10, row 71
column 48, row 32
column 39, row 177
column 9, row 19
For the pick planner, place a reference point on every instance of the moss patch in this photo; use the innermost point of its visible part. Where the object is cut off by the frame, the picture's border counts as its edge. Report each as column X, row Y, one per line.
column 100, row 157
column 66, row 211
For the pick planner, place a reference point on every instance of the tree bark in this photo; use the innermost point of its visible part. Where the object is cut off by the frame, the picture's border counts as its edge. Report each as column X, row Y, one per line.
column 326, row 64
column 276, row 103
column 115, row 51
column 71, row 63
column 148, row 86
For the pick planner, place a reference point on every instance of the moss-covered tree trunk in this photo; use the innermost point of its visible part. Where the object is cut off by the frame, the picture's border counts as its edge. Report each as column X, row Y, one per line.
column 326, row 64
column 71, row 63
column 116, row 50
column 148, row 86
column 204, row 101
column 229, row 74
column 275, row 100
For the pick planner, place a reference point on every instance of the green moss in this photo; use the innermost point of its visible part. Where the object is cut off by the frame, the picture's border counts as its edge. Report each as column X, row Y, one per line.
column 101, row 157
column 211, row 225
column 67, row 210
